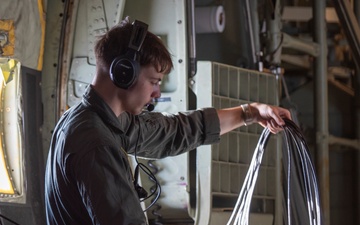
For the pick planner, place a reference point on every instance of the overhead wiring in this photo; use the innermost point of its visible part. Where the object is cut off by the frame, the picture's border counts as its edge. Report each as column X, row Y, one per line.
column 301, row 206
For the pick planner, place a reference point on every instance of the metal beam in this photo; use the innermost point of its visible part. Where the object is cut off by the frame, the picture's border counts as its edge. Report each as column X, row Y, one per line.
column 304, row 14
column 321, row 109
column 350, row 25
column 353, row 143
column 290, row 42
column 357, row 109
column 302, row 61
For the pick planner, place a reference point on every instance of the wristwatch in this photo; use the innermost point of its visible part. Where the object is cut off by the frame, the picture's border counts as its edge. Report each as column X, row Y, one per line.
column 247, row 114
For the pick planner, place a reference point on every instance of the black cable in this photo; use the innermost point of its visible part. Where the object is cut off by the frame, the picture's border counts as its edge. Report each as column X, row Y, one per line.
column 8, row 219
column 240, row 215
column 302, row 205
column 148, row 172
column 301, row 177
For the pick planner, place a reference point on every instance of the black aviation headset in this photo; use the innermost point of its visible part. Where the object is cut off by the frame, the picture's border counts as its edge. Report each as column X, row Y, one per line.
column 124, row 69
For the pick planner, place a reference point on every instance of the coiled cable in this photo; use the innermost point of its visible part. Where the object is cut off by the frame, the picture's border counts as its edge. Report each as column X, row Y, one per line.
column 300, row 175
column 301, row 185
column 156, row 189
column 240, row 213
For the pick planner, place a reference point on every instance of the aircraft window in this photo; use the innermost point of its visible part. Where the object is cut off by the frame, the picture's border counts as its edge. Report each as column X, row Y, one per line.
column 10, row 130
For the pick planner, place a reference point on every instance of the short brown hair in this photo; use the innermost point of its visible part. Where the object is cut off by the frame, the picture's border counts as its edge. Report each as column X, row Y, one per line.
column 115, row 42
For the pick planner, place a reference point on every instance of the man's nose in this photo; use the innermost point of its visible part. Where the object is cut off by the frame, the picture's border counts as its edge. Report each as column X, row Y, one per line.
column 156, row 92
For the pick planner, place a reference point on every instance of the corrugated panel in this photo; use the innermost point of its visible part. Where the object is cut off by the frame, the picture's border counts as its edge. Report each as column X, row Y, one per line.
column 221, row 168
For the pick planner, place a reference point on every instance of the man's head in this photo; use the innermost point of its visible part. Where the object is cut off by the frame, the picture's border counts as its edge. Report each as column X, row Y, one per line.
column 153, row 58
column 115, row 43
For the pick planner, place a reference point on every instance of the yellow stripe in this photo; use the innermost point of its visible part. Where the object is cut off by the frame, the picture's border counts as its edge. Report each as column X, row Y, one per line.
column 6, row 186
column 42, row 44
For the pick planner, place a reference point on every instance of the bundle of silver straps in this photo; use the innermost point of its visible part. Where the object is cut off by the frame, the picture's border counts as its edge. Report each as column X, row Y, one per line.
column 301, row 197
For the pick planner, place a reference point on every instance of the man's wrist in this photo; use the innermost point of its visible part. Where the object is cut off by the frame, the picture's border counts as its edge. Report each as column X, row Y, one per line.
column 247, row 114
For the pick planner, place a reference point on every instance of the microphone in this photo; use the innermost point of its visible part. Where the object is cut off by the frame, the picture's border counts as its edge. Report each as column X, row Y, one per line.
column 150, row 107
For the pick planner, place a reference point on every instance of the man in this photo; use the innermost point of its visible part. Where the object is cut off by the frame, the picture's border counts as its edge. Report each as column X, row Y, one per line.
column 88, row 178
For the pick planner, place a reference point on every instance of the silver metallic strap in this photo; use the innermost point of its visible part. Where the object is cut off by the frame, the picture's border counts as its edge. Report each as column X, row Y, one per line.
column 247, row 114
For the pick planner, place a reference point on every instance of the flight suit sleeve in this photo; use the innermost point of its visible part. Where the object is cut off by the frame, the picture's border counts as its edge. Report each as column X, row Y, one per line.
column 158, row 135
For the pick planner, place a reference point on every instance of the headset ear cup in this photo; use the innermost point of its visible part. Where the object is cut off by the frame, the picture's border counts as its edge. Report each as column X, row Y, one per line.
column 124, row 72
column 125, row 69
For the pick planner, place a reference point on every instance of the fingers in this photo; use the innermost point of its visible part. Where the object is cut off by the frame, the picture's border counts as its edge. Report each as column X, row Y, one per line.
column 271, row 117
column 271, row 125
column 276, row 123
column 284, row 113
column 276, row 117
column 275, row 127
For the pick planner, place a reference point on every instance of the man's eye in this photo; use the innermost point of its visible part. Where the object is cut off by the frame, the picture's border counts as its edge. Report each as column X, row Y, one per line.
column 156, row 83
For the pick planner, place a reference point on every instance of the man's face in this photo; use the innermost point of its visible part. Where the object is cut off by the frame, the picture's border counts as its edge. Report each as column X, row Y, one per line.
column 145, row 89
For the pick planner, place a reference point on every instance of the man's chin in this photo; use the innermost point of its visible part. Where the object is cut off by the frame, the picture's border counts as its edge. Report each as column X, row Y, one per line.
column 135, row 112
column 138, row 112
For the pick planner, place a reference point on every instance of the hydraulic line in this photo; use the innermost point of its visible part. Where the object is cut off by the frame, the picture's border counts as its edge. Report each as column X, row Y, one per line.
column 302, row 206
